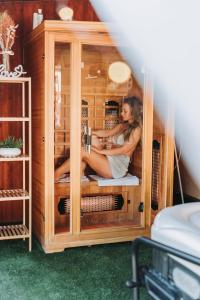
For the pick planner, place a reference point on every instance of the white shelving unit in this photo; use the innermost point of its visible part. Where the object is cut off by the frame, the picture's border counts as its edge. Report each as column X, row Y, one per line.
column 20, row 231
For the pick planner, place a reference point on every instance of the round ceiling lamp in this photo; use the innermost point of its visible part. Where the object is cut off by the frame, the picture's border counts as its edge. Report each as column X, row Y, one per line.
column 119, row 72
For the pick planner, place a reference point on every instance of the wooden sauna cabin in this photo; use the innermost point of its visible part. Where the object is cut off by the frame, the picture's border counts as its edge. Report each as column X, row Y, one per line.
column 68, row 63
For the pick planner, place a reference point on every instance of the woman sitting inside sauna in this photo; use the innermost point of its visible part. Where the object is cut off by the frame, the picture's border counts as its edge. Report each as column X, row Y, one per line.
column 113, row 161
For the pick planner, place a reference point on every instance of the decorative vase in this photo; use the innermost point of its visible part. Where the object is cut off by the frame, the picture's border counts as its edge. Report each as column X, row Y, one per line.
column 10, row 152
column 6, row 60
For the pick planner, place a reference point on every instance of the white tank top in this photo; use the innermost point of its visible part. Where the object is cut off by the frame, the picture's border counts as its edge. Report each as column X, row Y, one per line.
column 118, row 139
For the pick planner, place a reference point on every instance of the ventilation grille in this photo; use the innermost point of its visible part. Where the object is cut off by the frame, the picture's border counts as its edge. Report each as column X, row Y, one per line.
column 156, row 175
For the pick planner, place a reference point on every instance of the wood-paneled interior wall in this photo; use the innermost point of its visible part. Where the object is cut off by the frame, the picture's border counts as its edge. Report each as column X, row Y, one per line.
column 22, row 14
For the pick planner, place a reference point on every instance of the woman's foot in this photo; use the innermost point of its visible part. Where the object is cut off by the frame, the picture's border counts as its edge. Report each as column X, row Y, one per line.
column 56, row 175
column 62, row 177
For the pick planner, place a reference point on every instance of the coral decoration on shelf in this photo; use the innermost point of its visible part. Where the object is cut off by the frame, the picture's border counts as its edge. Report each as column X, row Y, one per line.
column 7, row 39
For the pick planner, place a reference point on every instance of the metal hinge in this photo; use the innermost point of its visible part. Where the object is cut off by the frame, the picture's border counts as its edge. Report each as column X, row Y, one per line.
column 141, row 207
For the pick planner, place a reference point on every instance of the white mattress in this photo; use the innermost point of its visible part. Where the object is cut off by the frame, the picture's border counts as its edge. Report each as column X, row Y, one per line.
column 179, row 227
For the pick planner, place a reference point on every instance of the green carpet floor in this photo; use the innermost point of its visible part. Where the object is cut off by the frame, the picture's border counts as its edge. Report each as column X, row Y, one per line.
column 84, row 273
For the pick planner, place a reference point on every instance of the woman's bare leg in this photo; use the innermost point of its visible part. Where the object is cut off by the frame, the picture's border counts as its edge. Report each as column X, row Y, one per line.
column 98, row 162
column 83, row 166
column 65, row 168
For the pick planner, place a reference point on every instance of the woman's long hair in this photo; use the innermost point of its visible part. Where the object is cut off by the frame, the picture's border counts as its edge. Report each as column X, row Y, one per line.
column 137, row 113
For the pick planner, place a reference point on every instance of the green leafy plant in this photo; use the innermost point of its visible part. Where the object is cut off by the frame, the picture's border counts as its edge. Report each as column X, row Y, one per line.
column 11, row 142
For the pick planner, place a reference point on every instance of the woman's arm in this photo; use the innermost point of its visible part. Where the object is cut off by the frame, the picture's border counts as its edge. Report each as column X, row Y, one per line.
column 127, row 148
column 108, row 132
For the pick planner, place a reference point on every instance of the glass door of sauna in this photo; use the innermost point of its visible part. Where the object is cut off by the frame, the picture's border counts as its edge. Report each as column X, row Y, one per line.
column 101, row 101
column 62, row 211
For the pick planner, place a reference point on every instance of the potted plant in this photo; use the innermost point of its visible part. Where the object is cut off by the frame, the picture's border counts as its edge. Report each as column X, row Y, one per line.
column 11, row 147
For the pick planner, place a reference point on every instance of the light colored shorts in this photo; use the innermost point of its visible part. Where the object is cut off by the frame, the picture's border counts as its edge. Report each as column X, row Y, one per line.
column 119, row 165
